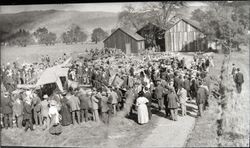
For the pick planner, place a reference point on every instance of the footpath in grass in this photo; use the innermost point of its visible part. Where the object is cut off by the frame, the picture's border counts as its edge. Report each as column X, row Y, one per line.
column 169, row 133
column 236, row 126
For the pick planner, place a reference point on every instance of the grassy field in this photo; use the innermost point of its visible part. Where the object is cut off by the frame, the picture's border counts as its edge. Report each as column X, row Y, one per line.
column 236, row 119
column 33, row 53
column 122, row 132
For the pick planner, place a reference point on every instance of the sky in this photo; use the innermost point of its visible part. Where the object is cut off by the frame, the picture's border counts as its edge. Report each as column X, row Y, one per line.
column 106, row 7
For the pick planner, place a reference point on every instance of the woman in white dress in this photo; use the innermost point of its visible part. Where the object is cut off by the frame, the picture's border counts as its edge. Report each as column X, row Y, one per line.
column 142, row 109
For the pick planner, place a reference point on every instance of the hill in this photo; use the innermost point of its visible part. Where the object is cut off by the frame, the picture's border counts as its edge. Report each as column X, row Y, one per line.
column 57, row 21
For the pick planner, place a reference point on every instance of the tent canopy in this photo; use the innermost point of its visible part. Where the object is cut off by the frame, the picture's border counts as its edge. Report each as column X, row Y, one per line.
column 52, row 75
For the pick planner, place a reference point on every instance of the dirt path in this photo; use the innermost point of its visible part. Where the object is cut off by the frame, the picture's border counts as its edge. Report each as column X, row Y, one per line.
column 170, row 133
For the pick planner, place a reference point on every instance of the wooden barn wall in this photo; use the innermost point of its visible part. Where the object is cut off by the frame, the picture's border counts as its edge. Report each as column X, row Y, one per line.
column 183, row 37
column 119, row 39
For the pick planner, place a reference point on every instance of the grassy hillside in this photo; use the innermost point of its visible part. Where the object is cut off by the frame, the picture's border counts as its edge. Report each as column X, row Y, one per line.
column 57, row 21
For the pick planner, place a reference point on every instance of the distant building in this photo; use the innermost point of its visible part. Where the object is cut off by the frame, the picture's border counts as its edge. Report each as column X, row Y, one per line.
column 127, row 41
column 185, row 35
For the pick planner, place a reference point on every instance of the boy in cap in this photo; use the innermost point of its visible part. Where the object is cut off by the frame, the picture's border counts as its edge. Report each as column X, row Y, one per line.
column 27, row 116
column 7, row 111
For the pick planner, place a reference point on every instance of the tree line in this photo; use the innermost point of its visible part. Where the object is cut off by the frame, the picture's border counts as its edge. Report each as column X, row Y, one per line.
column 42, row 35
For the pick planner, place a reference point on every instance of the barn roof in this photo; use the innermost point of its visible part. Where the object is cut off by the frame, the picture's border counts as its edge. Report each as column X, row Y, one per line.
column 194, row 24
column 130, row 33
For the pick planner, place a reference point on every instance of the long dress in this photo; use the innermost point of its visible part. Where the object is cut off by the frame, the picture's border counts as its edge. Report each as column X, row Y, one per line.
column 142, row 110
column 65, row 113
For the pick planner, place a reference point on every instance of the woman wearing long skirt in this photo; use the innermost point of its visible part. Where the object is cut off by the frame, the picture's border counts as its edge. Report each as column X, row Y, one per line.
column 142, row 109
column 65, row 112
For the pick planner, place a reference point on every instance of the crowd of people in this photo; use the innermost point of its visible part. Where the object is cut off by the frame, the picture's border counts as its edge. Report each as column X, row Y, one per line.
column 169, row 82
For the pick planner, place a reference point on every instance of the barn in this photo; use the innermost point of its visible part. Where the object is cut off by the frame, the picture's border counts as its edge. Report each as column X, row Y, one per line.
column 126, row 40
column 154, row 36
column 185, row 35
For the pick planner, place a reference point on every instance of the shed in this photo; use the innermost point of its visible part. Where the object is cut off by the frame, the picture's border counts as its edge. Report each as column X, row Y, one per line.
column 185, row 35
column 154, row 35
column 126, row 40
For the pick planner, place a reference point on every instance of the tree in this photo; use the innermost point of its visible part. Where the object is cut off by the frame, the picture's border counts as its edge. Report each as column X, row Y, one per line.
column 44, row 36
column 162, row 13
column 159, row 13
column 224, row 23
column 20, row 38
column 98, row 35
column 50, row 38
column 74, row 35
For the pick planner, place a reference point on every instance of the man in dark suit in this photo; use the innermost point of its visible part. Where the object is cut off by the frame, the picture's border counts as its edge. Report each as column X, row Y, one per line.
column 202, row 95
column 159, row 94
column 239, row 80
column 6, row 104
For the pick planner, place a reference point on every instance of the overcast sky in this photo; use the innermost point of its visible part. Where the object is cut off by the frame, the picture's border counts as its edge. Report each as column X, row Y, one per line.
column 106, row 7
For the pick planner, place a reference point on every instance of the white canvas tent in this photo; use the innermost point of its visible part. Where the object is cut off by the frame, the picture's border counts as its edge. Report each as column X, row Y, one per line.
column 53, row 74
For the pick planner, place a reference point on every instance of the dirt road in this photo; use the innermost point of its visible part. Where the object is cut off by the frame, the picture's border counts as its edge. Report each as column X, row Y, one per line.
column 170, row 133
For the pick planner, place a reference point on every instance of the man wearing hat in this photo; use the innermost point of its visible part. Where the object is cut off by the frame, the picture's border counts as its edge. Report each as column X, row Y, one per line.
column 74, row 103
column 18, row 110
column 114, row 96
column 159, row 94
column 7, row 111
column 172, row 105
column 36, row 105
column 239, row 80
column 105, row 111
column 95, row 105
column 84, row 104
column 27, row 115
column 202, row 95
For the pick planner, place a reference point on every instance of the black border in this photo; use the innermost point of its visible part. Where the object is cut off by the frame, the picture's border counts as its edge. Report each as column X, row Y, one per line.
column 37, row 2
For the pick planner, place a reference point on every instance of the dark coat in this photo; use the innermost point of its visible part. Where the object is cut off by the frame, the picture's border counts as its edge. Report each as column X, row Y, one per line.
column 74, row 103
column 202, row 95
column 84, row 101
column 172, row 100
column 65, row 112
column 177, row 83
column 119, row 93
column 36, row 101
column 159, row 92
column 194, row 85
column 104, row 104
column 186, row 84
column 239, row 78
column 27, row 111
column 148, row 95
column 6, row 104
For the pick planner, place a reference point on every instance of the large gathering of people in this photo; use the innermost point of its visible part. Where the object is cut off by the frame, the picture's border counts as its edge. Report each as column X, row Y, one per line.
column 107, row 86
